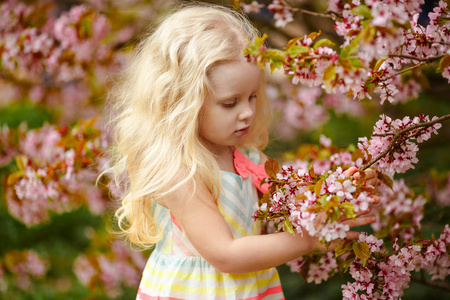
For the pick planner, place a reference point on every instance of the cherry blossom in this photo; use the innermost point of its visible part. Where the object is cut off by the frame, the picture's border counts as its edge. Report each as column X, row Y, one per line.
column 98, row 270
column 24, row 266
column 404, row 153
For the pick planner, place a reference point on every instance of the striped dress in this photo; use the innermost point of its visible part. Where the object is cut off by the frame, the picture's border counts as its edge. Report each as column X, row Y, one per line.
column 175, row 270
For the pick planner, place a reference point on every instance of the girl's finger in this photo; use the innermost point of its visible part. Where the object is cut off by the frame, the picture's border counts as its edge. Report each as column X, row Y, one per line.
column 352, row 235
column 375, row 199
column 351, row 171
column 359, row 221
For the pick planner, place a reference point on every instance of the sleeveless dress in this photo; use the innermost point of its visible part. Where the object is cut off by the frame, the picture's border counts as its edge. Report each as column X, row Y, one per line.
column 175, row 270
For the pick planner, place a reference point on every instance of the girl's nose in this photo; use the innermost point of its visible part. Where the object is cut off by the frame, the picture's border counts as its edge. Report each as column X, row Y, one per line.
column 247, row 111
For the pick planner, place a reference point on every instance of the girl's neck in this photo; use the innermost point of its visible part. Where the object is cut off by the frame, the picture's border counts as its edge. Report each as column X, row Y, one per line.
column 225, row 159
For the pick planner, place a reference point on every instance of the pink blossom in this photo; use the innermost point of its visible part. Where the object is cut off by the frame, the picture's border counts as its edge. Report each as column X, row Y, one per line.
column 253, row 7
column 282, row 13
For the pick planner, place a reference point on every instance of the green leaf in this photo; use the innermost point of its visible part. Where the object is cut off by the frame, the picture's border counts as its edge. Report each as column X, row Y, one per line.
column 443, row 63
column 297, row 49
column 362, row 10
column 293, row 42
column 14, row 177
column 361, row 250
column 345, row 64
column 347, row 51
column 342, row 247
column 22, row 162
column 323, row 200
column 288, row 227
column 379, row 63
column 349, row 209
column 352, row 48
column 368, row 34
column 86, row 28
column 356, row 62
column 329, row 74
column 336, row 214
column 323, row 43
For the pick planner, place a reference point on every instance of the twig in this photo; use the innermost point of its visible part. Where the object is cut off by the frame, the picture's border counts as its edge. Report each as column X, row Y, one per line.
column 396, row 136
column 424, row 59
column 434, row 284
column 433, row 42
column 316, row 14
column 405, row 70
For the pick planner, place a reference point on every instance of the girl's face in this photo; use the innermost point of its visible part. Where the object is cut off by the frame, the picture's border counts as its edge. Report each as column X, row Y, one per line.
column 229, row 109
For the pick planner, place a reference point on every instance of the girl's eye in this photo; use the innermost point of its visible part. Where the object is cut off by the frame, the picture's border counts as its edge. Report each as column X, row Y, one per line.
column 253, row 97
column 230, row 104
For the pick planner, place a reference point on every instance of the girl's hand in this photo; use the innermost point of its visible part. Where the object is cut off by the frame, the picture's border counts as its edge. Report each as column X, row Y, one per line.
column 371, row 179
column 371, row 176
column 360, row 220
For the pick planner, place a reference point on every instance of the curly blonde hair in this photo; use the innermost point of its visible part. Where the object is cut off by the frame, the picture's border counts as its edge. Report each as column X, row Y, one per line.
column 156, row 107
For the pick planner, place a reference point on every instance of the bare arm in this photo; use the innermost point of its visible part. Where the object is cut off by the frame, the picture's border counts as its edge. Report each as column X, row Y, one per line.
column 210, row 235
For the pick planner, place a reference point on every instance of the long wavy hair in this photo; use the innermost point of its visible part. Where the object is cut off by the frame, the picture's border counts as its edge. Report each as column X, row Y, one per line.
column 156, row 107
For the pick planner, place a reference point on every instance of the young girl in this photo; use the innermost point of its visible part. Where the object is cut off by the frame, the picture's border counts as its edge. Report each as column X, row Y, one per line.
column 191, row 116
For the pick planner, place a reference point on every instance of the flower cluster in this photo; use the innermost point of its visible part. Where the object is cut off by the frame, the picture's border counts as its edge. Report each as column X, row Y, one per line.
column 384, row 46
column 61, row 62
column 108, row 272
column 385, row 275
column 57, row 48
column 282, row 12
column 296, row 108
column 317, row 267
column 439, row 188
column 23, row 266
column 55, row 171
column 390, row 30
column 400, row 212
column 401, row 138
column 299, row 196
column 253, row 7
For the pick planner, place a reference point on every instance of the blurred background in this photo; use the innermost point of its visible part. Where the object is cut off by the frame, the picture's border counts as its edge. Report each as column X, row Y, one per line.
column 57, row 61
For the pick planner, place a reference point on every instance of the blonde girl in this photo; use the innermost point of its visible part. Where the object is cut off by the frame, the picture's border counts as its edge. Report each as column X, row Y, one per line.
column 190, row 117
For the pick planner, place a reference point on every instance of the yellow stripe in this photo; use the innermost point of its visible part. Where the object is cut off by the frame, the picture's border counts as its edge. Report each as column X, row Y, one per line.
column 220, row 277
column 169, row 247
column 208, row 290
column 233, row 223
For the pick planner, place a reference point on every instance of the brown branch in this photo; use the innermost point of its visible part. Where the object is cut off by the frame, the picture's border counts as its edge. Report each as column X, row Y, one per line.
column 316, row 14
column 423, row 280
column 396, row 136
column 423, row 59
column 433, row 42
column 405, row 70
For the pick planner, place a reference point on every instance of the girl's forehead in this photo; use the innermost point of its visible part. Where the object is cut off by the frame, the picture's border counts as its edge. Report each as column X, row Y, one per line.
column 235, row 77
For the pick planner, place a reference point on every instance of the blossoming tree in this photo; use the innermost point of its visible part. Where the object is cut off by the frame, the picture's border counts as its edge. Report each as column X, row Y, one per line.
column 362, row 65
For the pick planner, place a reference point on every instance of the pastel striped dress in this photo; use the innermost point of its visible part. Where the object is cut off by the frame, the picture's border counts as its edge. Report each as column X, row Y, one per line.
column 175, row 270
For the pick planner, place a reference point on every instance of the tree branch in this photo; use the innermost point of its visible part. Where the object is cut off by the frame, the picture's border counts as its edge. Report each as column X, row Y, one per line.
column 406, row 70
column 396, row 136
column 424, row 59
column 330, row 15
column 440, row 285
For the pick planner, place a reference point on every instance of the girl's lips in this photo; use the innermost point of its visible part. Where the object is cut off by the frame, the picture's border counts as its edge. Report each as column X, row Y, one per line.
column 242, row 132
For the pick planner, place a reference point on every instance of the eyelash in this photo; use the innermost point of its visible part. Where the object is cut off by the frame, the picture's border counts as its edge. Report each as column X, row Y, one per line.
column 230, row 105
